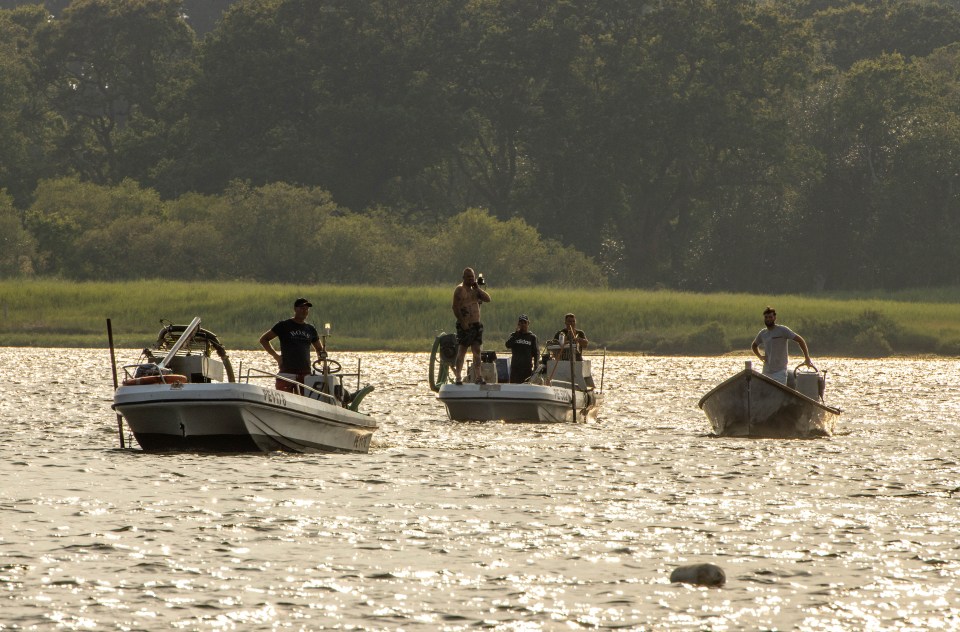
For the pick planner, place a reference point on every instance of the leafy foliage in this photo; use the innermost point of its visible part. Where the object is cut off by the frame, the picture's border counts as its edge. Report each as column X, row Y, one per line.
column 272, row 233
column 17, row 248
column 806, row 145
column 867, row 335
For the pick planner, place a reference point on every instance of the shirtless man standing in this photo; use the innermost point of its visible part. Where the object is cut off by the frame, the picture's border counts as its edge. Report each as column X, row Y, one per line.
column 466, row 307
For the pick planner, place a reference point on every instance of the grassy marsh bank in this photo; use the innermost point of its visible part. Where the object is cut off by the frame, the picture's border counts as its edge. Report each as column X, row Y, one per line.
column 60, row 313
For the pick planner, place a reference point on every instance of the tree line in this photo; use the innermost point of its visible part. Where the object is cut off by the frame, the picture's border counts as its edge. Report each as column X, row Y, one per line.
column 272, row 233
column 797, row 145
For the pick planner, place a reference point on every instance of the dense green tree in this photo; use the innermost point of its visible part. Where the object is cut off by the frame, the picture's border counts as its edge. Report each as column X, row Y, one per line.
column 919, row 217
column 851, row 32
column 703, row 144
column 861, row 127
column 107, row 65
column 89, row 231
column 317, row 94
column 201, row 14
column 693, row 109
column 27, row 126
column 500, row 66
column 508, row 252
column 371, row 248
column 14, row 95
column 272, row 232
column 17, row 247
column 49, row 6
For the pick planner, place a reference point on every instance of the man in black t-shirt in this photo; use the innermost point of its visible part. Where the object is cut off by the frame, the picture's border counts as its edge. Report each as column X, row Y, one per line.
column 296, row 336
column 525, row 350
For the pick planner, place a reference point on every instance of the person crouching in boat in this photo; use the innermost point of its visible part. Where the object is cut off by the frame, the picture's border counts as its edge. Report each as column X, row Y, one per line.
column 524, row 349
column 774, row 339
column 296, row 336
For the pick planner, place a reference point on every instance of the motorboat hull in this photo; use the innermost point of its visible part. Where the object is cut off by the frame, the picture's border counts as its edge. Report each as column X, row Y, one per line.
column 238, row 417
column 750, row 404
column 518, row 402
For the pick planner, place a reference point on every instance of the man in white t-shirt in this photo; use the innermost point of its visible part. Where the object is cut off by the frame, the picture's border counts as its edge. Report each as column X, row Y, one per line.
column 774, row 339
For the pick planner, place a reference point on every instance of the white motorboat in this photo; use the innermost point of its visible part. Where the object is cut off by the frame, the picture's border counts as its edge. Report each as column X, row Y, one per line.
column 750, row 404
column 550, row 395
column 183, row 402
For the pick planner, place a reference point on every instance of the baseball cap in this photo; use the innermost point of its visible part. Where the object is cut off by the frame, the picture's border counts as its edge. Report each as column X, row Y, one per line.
column 523, row 317
column 302, row 301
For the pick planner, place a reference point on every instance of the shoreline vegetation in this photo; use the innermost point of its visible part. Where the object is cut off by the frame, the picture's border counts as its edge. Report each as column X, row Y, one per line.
column 56, row 313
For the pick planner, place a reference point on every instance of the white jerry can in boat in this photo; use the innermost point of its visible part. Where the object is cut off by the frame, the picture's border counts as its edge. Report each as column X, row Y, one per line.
column 810, row 383
column 488, row 366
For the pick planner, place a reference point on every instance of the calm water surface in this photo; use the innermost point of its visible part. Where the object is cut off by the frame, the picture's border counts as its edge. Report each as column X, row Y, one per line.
column 460, row 526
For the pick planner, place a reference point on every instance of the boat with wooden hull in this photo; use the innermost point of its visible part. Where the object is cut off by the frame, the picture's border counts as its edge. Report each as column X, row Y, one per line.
column 181, row 403
column 559, row 391
column 750, row 404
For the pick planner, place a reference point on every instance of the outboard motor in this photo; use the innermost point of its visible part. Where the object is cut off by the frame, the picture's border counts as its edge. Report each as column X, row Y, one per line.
column 329, row 384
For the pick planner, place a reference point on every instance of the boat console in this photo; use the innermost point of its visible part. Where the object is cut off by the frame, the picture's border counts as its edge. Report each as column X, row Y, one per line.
column 559, row 371
column 199, row 369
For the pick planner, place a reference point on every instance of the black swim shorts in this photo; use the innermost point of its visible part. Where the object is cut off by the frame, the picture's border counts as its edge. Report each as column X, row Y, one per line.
column 473, row 335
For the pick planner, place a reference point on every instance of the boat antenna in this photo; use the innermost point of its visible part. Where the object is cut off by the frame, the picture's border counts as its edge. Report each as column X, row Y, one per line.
column 326, row 332
column 573, row 373
column 603, row 366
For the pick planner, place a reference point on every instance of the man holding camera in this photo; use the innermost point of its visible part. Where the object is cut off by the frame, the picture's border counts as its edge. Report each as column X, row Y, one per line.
column 467, row 298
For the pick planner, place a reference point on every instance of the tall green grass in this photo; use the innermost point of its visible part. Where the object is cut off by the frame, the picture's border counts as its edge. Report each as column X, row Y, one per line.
column 62, row 313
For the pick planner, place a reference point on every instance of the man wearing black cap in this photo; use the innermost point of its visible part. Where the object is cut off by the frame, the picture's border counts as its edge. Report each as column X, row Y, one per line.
column 524, row 346
column 296, row 335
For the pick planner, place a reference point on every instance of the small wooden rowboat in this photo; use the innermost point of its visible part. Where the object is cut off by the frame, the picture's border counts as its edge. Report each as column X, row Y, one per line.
column 750, row 404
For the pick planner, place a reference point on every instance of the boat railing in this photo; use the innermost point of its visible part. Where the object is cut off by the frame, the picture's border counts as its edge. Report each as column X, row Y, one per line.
column 556, row 372
column 307, row 391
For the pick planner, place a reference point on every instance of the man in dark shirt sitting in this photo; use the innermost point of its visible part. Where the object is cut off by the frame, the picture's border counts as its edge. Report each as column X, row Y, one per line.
column 296, row 335
column 523, row 344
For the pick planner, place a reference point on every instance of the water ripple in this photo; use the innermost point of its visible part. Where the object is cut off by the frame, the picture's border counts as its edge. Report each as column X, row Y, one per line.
column 488, row 525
